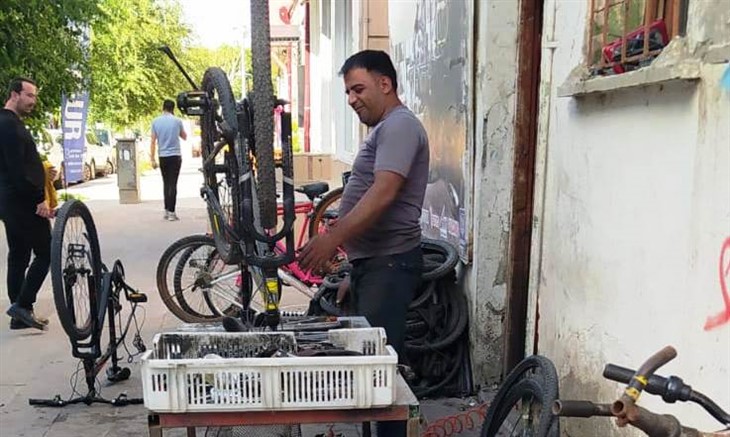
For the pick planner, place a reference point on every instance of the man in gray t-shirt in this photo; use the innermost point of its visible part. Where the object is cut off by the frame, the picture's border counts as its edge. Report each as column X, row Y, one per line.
column 381, row 206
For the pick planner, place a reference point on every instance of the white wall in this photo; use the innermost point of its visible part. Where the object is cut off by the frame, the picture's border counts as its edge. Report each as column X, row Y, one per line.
column 320, row 81
column 632, row 208
column 332, row 121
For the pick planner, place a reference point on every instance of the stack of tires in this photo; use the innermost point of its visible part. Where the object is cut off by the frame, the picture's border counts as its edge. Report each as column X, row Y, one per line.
column 437, row 344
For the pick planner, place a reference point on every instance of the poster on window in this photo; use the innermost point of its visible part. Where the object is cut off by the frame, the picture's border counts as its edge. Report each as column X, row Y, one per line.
column 73, row 123
column 429, row 41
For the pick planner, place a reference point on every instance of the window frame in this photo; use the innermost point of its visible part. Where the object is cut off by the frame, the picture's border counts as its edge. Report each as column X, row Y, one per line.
column 672, row 12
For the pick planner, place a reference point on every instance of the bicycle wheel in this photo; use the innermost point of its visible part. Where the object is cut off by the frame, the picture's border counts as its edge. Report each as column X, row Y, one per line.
column 326, row 212
column 263, row 109
column 190, row 273
column 522, row 411
column 220, row 123
column 75, row 269
column 543, row 378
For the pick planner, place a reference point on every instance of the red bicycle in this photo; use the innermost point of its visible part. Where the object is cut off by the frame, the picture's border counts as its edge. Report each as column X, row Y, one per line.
column 197, row 285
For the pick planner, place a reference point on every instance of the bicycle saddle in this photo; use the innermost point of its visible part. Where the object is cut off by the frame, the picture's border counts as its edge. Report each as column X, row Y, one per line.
column 314, row 189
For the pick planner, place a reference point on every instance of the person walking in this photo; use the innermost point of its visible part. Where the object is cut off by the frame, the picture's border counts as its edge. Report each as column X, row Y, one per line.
column 24, row 209
column 379, row 224
column 167, row 130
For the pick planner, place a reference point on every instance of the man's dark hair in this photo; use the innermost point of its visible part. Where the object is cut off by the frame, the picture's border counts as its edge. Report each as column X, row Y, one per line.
column 372, row 60
column 168, row 105
column 16, row 85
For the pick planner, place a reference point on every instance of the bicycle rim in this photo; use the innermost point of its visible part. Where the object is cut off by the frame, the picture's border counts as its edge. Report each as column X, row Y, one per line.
column 75, row 269
column 326, row 213
column 182, row 275
column 219, row 123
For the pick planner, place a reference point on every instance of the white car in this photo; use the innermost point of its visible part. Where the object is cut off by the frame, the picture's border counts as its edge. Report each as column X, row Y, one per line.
column 99, row 158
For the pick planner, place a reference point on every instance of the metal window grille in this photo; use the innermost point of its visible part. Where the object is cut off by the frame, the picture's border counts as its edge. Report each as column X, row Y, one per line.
column 632, row 31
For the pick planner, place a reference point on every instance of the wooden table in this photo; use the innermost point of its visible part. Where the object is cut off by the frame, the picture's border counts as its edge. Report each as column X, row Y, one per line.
column 404, row 408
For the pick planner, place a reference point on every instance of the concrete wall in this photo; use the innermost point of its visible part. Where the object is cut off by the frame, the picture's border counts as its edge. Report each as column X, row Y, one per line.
column 493, row 152
column 632, row 209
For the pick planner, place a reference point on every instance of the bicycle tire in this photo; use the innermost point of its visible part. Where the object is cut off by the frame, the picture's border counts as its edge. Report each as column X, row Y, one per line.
column 63, row 273
column 441, row 247
column 534, row 367
column 500, row 409
column 221, row 122
column 458, row 325
column 174, row 297
column 318, row 221
column 263, row 109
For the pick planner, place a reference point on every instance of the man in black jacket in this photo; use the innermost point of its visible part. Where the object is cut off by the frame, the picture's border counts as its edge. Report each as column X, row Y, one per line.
column 23, row 208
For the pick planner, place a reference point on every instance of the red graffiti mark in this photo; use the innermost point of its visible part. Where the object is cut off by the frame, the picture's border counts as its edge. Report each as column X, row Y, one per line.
column 723, row 317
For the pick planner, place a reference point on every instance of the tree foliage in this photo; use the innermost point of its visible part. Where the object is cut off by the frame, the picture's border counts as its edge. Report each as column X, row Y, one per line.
column 129, row 77
column 45, row 40
column 109, row 48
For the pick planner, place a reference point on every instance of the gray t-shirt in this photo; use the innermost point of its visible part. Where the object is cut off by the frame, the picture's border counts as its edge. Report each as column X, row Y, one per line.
column 167, row 128
column 399, row 144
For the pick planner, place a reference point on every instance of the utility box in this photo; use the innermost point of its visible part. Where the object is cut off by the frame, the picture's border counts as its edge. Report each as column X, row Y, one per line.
column 128, row 173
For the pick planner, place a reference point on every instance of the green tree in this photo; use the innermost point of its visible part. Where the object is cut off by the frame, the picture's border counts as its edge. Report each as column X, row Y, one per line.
column 44, row 40
column 129, row 76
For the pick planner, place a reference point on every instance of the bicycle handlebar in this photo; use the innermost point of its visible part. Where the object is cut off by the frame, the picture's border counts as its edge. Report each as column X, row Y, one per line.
column 670, row 389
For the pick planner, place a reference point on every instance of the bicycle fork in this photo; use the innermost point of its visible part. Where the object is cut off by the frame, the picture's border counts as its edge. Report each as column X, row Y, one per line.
column 272, row 295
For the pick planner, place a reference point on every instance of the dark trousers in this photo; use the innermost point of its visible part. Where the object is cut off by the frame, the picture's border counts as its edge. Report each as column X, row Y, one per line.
column 170, row 169
column 26, row 232
column 382, row 288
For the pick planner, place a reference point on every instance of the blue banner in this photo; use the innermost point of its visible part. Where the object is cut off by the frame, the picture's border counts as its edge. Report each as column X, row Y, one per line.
column 73, row 123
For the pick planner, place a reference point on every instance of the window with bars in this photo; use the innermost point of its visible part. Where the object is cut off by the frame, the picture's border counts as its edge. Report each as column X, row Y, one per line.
column 629, row 34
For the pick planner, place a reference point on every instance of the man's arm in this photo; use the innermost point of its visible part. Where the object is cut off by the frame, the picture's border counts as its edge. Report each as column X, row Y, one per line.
column 365, row 214
column 14, row 156
column 183, row 134
column 371, row 206
column 153, row 146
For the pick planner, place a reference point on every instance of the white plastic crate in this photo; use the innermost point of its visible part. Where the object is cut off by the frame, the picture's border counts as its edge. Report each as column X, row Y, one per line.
column 176, row 376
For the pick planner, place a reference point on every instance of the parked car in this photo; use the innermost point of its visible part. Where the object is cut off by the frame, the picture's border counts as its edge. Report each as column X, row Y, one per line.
column 99, row 158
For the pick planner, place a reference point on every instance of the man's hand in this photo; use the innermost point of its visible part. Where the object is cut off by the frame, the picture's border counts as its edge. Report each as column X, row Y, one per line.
column 153, row 161
column 43, row 210
column 317, row 253
column 52, row 173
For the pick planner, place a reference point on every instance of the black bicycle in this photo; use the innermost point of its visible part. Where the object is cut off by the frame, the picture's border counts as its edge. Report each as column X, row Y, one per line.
column 239, row 170
column 528, row 404
column 86, row 293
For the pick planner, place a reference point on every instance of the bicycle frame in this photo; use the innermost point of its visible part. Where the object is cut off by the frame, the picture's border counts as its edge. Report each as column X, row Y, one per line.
column 627, row 412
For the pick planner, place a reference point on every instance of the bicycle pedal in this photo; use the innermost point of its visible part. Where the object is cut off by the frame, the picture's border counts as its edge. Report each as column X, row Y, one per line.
column 139, row 343
column 137, row 297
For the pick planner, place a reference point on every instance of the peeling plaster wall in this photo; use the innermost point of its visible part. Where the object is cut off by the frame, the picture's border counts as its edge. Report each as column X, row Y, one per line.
column 632, row 210
column 486, row 282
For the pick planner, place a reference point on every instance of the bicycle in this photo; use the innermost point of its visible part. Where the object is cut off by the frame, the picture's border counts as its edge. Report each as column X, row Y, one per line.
column 197, row 286
column 239, row 169
column 535, row 401
column 85, row 293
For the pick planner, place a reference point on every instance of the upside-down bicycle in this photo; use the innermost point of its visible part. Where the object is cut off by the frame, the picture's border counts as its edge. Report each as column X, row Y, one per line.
column 88, row 297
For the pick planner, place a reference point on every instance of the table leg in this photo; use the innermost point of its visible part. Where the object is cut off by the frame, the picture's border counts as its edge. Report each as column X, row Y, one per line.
column 153, row 425
column 366, row 429
column 414, row 427
column 191, row 431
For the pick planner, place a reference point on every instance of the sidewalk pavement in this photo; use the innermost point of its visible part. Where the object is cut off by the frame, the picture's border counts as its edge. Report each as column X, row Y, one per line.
column 36, row 364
